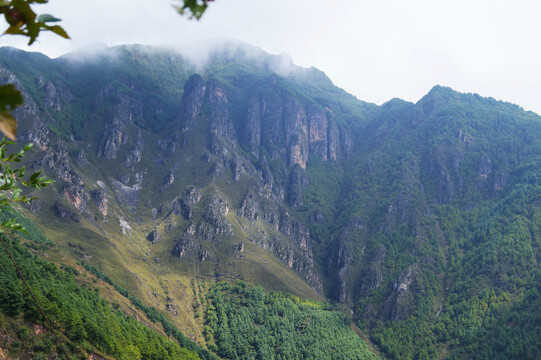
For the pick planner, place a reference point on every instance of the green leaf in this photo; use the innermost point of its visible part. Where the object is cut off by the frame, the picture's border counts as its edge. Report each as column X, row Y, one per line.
column 44, row 18
column 10, row 97
column 57, row 30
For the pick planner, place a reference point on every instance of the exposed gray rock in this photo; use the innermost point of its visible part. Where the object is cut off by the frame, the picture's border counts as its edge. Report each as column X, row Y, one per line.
column 64, row 212
column 185, row 204
column 249, row 207
column 220, row 121
column 298, row 181
column 34, row 206
column 154, row 236
column 119, row 116
column 127, row 195
column 296, row 127
column 192, row 99
column 318, row 135
column 251, row 136
column 237, row 250
column 135, row 156
column 400, row 305
column 100, row 199
column 185, row 244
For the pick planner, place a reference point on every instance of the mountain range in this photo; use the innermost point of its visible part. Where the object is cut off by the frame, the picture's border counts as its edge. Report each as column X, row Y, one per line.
column 216, row 193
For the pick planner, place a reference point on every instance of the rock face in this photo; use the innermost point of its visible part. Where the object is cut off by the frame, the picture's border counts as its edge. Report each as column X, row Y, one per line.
column 319, row 134
column 194, row 91
column 184, row 205
column 409, row 283
column 154, row 236
column 237, row 250
column 298, row 181
column 64, row 212
column 123, row 113
column 100, row 199
column 221, row 123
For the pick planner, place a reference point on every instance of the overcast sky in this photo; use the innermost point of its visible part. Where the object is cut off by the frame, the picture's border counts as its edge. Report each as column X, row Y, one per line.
column 374, row 49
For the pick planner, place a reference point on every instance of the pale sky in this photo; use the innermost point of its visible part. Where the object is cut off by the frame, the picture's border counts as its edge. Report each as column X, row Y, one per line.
column 374, row 49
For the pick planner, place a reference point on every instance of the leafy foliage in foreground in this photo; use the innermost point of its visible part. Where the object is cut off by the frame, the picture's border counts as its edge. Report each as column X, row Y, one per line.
column 87, row 320
column 248, row 323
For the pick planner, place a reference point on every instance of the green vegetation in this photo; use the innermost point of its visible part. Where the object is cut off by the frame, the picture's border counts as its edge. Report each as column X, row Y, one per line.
column 154, row 316
column 246, row 322
column 453, row 193
column 427, row 227
column 89, row 322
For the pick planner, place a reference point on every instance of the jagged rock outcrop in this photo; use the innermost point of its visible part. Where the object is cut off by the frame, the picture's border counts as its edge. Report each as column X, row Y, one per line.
column 64, row 212
column 270, row 189
column 251, row 135
column 249, row 207
column 401, row 303
column 136, row 154
column 220, row 120
column 237, row 250
column 125, row 110
column 296, row 127
column 100, row 199
column 56, row 94
column 212, row 227
column 318, row 133
column 154, row 236
column 34, row 206
column 57, row 161
column 185, row 244
column 298, row 181
column 192, row 99
column 215, row 225
column 184, row 205
column 129, row 195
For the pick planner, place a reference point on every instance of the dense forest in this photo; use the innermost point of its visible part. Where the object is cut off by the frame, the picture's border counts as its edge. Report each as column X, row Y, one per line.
column 88, row 324
column 244, row 322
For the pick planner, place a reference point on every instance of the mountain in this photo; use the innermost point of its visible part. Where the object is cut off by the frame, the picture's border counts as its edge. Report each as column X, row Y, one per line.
column 420, row 221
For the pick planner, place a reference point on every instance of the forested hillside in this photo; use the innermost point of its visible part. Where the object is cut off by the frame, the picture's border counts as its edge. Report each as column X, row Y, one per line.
column 419, row 221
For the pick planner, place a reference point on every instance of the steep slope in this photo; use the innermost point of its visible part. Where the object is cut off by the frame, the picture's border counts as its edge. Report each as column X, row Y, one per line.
column 419, row 218
column 441, row 221
column 155, row 187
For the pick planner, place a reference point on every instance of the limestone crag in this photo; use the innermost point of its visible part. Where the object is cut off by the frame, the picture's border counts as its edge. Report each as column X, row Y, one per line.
column 184, row 205
column 125, row 110
column 135, row 156
column 64, row 212
column 154, row 236
column 100, row 199
column 192, row 99
column 408, row 283
column 58, row 161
